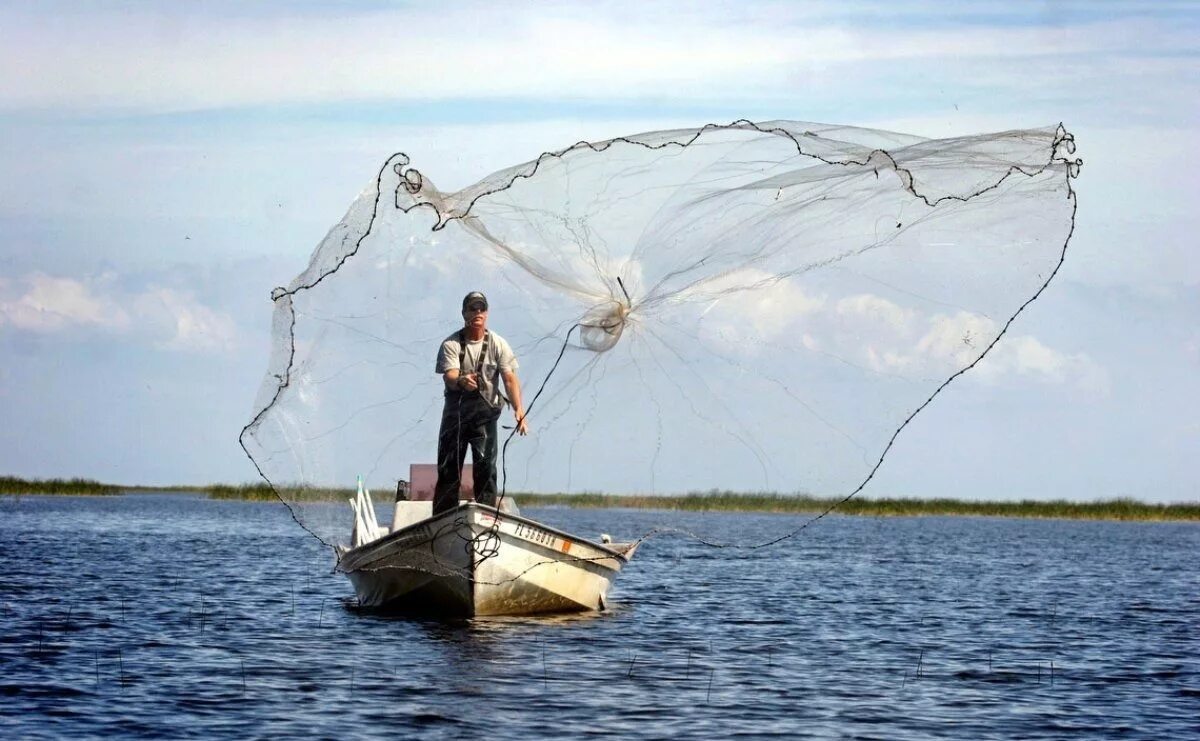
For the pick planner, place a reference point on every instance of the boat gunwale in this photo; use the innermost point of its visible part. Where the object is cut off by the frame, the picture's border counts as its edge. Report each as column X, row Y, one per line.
column 484, row 509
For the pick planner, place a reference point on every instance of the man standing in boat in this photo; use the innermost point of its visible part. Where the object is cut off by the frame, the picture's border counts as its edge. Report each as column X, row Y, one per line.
column 471, row 362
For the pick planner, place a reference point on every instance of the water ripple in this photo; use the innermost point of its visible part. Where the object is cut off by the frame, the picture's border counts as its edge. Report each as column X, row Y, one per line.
column 176, row 616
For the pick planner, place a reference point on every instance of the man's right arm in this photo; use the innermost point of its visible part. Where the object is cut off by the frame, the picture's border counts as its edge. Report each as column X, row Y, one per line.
column 447, row 365
column 452, row 375
column 456, row 380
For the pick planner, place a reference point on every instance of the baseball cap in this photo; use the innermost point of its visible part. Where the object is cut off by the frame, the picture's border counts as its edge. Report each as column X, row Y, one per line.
column 475, row 297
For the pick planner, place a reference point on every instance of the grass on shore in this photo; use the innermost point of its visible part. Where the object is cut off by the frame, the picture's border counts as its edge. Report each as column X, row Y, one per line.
column 711, row 501
column 724, row 501
column 261, row 491
column 254, row 491
column 77, row 487
column 251, row 491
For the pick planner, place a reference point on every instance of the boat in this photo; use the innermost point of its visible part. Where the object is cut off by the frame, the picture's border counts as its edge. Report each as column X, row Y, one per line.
column 475, row 560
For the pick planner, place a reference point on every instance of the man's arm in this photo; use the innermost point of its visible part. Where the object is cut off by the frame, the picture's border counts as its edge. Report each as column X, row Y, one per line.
column 512, row 389
column 457, row 380
column 453, row 376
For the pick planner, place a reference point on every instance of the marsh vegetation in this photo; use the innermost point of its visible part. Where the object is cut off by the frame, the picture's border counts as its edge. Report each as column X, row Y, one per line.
column 77, row 487
column 1123, row 508
column 717, row 501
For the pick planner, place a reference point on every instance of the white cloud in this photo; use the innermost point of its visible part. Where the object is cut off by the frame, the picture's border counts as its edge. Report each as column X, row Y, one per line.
column 151, row 58
column 884, row 336
column 1023, row 355
column 751, row 307
column 164, row 317
column 875, row 308
column 895, row 340
column 50, row 304
column 956, row 341
column 183, row 323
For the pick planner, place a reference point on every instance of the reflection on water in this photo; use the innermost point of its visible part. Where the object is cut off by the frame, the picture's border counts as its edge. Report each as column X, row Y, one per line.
column 172, row 615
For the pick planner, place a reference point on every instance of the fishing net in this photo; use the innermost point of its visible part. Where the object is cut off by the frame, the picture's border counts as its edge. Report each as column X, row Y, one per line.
column 747, row 307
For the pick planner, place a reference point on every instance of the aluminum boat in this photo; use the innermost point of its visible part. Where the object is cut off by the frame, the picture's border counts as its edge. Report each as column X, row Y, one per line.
column 475, row 560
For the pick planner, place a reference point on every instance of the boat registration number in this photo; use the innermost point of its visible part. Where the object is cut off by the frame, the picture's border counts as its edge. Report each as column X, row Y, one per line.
column 537, row 535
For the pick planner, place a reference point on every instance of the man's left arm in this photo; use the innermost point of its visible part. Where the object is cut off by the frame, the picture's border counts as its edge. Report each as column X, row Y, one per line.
column 512, row 389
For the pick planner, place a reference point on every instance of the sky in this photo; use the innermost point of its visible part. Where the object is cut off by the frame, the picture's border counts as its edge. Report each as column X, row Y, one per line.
column 166, row 165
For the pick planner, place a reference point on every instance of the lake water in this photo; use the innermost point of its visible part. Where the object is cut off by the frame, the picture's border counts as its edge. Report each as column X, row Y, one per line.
column 172, row 615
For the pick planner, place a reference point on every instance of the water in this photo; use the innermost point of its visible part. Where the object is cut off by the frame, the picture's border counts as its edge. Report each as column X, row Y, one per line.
column 172, row 615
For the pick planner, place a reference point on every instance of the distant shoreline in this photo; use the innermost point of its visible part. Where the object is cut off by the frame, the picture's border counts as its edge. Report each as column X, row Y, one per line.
column 1122, row 509
column 78, row 487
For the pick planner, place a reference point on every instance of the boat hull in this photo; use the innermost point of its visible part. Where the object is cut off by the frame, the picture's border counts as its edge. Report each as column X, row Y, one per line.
column 476, row 560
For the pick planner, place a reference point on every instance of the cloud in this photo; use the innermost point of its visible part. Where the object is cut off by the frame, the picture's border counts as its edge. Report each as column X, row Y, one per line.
column 184, row 323
column 148, row 58
column 1026, row 356
column 51, row 304
column 166, row 318
column 956, row 341
column 875, row 308
column 877, row 333
column 892, row 339
column 751, row 308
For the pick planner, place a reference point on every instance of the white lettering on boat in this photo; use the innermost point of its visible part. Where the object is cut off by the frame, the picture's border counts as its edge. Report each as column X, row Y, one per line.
column 537, row 535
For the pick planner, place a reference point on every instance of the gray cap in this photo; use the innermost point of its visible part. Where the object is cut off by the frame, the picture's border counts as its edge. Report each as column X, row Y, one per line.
column 474, row 297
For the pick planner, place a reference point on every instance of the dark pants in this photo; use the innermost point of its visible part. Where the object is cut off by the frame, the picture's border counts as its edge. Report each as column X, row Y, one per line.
column 466, row 420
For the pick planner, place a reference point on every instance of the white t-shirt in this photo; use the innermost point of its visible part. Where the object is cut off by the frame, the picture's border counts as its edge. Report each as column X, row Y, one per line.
column 500, row 359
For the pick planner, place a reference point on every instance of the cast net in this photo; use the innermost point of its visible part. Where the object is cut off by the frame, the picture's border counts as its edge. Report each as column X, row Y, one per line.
column 744, row 307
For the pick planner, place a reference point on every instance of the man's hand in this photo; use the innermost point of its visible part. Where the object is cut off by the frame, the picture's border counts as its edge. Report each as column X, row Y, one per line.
column 513, row 387
column 468, row 382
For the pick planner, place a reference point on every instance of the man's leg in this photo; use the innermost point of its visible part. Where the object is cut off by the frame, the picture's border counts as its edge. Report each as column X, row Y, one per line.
column 452, row 450
column 483, row 456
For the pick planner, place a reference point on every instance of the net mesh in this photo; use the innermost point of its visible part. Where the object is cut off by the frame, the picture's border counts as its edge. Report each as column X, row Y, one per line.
column 751, row 307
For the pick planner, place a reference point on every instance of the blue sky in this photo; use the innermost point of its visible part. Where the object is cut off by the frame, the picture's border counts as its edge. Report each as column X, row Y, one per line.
column 165, row 167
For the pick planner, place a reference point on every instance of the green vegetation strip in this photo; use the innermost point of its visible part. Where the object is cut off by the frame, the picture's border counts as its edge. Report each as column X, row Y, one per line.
column 14, row 485
column 711, row 501
column 725, row 501
column 253, row 492
column 1113, row 509
column 260, row 492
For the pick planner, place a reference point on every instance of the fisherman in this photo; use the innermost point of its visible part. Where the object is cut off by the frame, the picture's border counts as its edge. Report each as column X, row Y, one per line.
column 471, row 362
